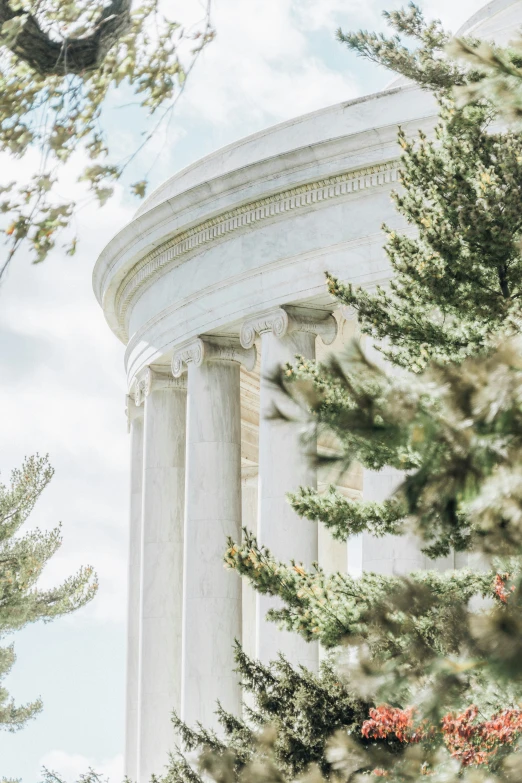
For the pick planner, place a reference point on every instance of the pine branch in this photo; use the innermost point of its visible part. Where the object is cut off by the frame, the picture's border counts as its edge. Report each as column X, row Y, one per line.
column 423, row 65
column 22, row 560
column 344, row 517
column 328, row 608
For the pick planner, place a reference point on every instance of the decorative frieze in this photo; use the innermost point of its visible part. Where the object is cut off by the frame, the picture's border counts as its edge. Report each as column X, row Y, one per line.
column 284, row 320
column 213, row 229
column 201, row 349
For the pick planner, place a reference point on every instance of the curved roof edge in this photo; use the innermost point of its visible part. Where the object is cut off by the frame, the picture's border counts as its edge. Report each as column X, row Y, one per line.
column 484, row 14
column 233, row 155
column 240, row 146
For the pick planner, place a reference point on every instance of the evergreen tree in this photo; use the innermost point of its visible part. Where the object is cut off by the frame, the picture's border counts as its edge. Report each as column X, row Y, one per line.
column 455, row 286
column 456, row 280
column 300, row 710
column 500, row 72
column 22, row 559
column 331, row 608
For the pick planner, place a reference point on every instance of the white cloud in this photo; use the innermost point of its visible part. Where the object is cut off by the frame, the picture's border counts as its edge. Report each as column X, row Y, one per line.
column 452, row 14
column 330, row 14
column 63, row 385
column 261, row 67
column 70, row 766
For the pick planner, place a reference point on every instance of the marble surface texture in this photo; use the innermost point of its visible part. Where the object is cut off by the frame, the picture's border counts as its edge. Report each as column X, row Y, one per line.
column 161, row 576
column 135, row 415
column 212, row 596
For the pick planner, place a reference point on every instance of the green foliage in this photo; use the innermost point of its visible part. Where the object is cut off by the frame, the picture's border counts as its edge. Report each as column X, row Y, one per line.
column 48, row 776
column 456, row 280
column 457, row 428
column 292, row 714
column 424, row 640
column 423, row 65
column 22, row 560
column 437, row 642
column 456, row 270
column 60, row 62
column 331, row 608
column 501, row 72
column 344, row 517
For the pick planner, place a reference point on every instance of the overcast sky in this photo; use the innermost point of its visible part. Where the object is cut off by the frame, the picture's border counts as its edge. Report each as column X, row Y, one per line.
column 62, row 374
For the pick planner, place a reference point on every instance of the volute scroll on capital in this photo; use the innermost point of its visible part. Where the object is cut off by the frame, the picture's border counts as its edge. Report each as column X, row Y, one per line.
column 204, row 349
column 155, row 379
column 348, row 312
column 285, row 320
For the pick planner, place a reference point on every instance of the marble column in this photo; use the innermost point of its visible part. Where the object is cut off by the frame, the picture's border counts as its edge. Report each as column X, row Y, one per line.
column 135, row 428
column 162, row 568
column 399, row 555
column 390, row 554
column 284, row 465
column 212, row 594
column 249, row 487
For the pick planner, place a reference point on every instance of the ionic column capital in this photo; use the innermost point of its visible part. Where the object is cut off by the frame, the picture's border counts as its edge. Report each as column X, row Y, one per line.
column 349, row 313
column 153, row 379
column 285, row 320
column 215, row 349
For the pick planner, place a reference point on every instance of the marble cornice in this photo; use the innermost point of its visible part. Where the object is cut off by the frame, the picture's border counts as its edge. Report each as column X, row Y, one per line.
column 213, row 229
column 138, row 352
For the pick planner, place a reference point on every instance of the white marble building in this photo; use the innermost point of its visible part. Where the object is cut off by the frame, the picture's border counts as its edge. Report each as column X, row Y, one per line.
column 218, row 278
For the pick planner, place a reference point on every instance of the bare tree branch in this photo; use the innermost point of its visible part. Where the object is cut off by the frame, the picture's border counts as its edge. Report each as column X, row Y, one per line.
column 75, row 55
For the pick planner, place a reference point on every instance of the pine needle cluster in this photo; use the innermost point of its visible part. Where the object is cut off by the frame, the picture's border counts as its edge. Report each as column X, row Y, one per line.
column 292, row 713
column 22, row 560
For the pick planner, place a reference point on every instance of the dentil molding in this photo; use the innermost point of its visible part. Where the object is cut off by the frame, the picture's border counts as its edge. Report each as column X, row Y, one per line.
column 211, row 230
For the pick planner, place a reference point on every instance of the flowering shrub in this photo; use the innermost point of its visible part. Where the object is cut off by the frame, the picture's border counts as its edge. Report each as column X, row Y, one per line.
column 500, row 587
column 472, row 742
column 387, row 722
column 475, row 742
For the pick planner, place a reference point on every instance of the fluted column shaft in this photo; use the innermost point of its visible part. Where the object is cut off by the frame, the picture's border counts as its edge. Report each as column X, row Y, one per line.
column 135, row 426
column 284, row 465
column 212, row 595
column 162, row 569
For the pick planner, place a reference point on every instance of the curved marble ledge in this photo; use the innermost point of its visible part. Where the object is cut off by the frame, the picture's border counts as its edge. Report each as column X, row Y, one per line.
column 244, row 218
column 221, row 308
column 497, row 19
column 339, row 141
